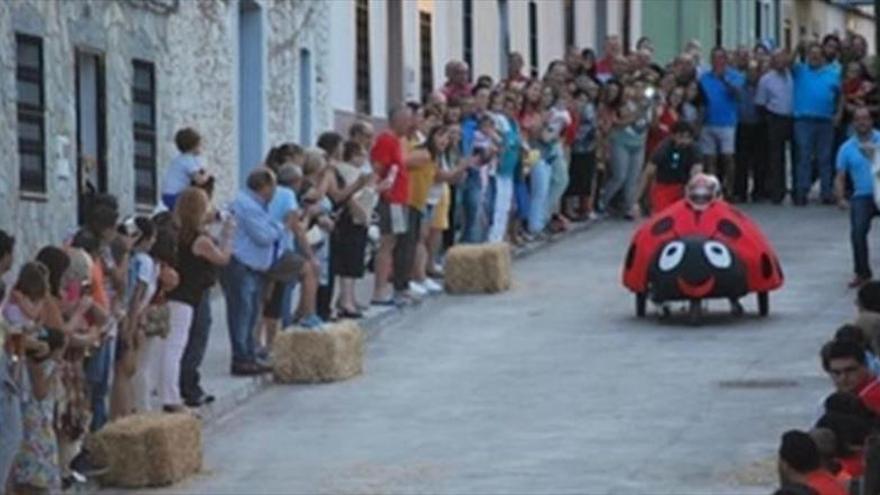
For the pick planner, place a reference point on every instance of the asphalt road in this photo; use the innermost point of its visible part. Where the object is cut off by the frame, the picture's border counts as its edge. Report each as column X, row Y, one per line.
column 555, row 386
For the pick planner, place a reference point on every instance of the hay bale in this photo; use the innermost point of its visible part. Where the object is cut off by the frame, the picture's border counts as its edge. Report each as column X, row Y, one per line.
column 152, row 449
column 331, row 354
column 480, row 268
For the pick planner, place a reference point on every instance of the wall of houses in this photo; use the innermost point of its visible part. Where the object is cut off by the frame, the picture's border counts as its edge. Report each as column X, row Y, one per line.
column 194, row 46
column 448, row 42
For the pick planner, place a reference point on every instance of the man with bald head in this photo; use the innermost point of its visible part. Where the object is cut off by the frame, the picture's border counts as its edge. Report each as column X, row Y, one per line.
column 243, row 279
column 613, row 49
column 458, row 84
column 774, row 97
column 856, row 161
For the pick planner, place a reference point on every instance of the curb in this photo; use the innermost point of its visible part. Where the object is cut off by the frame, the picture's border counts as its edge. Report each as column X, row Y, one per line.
column 372, row 326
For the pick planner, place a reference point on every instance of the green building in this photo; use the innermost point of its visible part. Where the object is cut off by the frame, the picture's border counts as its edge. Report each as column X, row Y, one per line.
column 671, row 23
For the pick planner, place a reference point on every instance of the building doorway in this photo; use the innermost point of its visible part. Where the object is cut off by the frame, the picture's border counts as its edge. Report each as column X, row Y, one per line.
column 251, row 106
column 91, row 123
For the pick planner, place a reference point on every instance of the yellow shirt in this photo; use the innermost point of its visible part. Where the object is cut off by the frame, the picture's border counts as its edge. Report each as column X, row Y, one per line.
column 421, row 178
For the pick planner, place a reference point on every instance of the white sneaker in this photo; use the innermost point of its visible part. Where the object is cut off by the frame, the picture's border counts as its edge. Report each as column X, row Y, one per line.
column 418, row 289
column 432, row 286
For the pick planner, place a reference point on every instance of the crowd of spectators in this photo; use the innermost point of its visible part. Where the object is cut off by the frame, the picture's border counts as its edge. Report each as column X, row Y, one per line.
column 117, row 320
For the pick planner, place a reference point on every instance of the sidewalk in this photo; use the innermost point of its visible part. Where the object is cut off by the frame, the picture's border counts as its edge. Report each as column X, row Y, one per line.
column 230, row 391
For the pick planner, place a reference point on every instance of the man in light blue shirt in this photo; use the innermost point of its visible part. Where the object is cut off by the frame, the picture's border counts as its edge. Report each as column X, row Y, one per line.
column 817, row 107
column 774, row 96
column 721, row 88
column 255, row 247
column 856, row 161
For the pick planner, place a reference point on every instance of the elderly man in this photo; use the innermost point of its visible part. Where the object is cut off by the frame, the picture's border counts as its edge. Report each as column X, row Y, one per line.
column 613, row 49
column 774, row 97
column 254, row 247
column 818, row 106
column 515, row 80
column 458, row 80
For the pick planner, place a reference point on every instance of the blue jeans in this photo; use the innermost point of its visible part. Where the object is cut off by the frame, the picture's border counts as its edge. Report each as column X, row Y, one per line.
column 11, row 426
column 472, row 206
column 862, row 211
column 539, row 191
column 814, row 138
column 98, row 368
column 169, row 200
column 196, row 346
column 558, row 181
column 242, row 288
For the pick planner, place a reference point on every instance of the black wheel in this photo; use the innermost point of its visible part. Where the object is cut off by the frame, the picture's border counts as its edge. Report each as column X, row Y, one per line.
column 641, row 304
column 695, row 312
column 763, row 303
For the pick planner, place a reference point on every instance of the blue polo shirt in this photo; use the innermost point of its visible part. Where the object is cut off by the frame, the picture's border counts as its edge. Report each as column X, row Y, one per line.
column 815, row 91
column 852, row 161
column 721, row 103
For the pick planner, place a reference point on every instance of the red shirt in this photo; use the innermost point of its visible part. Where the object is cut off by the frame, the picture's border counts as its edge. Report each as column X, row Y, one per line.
column 603, row 66
column 825, row 483
column 456, row 91
column 388, row 151
column 870, row 395
column 853, row 465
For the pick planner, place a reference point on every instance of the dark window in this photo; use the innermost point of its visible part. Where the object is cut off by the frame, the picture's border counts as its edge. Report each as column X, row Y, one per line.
column 31, row 119
column 787, row 35
column 627, row 31
column 144, row 120
column 533, row 39
column 427, row 54
column 568, row 19
column 719, row 26
column 467, row 21
column 759, row 21
column 362, row 60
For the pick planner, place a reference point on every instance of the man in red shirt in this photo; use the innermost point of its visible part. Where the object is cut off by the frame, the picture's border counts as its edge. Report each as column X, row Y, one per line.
column 458, row 83
column 613, row 49
column 395, row 215
column 515, row 79
column 845, row 363
column 799, row 464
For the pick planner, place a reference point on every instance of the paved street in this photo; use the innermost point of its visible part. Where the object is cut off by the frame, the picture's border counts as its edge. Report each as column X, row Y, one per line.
column 555, row 387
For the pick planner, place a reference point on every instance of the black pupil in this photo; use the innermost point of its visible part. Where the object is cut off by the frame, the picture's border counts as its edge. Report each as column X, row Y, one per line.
column 716, row 250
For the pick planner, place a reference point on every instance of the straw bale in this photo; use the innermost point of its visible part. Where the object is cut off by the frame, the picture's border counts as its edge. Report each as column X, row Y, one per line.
column 478, row 268
column 331, row 354
column 151, row 449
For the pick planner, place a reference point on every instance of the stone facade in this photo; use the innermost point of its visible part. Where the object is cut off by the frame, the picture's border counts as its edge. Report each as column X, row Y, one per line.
column 194, row 45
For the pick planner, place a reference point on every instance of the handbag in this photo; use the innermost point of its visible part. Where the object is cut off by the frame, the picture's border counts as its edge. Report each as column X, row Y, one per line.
column 155, row 321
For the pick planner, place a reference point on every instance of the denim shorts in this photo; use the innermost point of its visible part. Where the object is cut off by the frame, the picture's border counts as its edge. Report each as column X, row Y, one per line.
column 716, row 140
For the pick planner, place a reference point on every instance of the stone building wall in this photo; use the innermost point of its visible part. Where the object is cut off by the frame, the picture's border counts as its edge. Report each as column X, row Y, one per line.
column 194, row 46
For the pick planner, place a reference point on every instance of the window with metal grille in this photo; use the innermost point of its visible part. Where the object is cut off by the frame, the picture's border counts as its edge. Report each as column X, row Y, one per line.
column 144, row 124
column 31, row 118
column 533, row 38
column 468, row 25
column 427, row 54
column 568, row 19
column 362, row 56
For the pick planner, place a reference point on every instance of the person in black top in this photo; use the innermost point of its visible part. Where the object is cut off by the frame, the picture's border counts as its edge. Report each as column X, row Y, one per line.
column 673, row 163
column 198, row 260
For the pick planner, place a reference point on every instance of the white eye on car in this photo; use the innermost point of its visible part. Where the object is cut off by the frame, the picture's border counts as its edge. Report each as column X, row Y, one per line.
column 717, row 254
column 671, row 256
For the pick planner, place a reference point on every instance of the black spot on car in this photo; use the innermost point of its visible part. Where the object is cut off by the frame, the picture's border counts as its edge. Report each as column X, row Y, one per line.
column 729, row 229
column 662, row 226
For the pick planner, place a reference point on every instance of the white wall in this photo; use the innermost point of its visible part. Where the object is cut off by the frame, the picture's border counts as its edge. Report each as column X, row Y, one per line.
column 487, row 38
column 378, row 58
column 585, row 23
column 342, row 54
